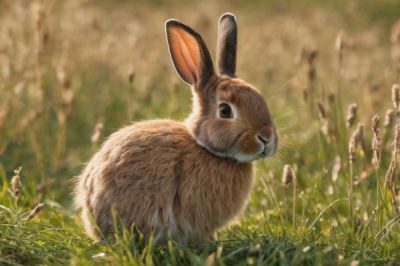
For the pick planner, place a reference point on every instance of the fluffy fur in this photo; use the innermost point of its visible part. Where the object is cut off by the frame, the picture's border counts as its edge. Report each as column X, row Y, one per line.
column 188, row 178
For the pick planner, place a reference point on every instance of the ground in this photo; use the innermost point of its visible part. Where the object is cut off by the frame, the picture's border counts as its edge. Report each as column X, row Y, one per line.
column 73, row 72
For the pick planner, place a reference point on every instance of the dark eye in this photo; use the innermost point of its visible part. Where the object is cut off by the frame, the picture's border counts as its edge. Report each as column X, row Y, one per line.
column 225, row 111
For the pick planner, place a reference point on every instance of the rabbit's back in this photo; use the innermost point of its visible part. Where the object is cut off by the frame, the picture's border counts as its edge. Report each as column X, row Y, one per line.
column 154, row 175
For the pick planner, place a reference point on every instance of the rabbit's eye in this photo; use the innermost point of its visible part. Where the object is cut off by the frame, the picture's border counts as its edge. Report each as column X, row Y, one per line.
column 225, row 111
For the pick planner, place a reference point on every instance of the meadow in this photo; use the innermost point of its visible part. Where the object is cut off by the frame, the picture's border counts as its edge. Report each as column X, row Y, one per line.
column 72, row 72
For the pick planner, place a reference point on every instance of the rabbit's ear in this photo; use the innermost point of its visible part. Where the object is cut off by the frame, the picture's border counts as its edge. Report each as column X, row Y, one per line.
column 226, row 45
column 189, row 53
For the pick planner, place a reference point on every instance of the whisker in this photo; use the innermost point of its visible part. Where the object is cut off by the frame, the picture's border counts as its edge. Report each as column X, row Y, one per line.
column 289, row 113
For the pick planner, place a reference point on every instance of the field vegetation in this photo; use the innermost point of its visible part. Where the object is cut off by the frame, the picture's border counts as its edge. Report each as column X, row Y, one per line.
column 72, row 72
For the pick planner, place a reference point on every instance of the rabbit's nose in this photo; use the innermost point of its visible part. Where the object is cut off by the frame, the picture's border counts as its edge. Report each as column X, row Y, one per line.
column 263, row 139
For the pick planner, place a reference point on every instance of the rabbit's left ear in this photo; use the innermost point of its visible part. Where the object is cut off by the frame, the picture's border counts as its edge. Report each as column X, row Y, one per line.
column 226, row 45
column 189, row 53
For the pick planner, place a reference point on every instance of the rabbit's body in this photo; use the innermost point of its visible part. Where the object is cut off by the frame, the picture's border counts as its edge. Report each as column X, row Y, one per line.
column 154, row 175
column 185, row 178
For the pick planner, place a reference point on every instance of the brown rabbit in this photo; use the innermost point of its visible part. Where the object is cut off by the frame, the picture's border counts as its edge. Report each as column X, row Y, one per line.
column 187, row 178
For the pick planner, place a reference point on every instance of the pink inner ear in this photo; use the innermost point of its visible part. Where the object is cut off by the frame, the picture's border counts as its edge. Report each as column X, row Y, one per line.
column 186, row 54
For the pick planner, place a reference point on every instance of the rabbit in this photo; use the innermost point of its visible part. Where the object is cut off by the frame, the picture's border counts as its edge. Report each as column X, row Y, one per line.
column 183, row 179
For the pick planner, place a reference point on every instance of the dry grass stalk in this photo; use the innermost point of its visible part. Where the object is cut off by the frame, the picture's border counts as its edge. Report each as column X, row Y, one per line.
column 5, row 65
column 396, row 97
column 40, row 188
column 352, row 151
column 41, row 36
column 395, row 39
column 4, row 112
column 351, row 114
column 97, row 132
column 356, row 141
column 288, row 175
column 331, row 98
column 395, row 34
column 299, row 58
column 358, row 135
column 389, row 118
column 16, row 182
column 326, row 127
column 340, row 49
column 131, row 77
column 3, row 148
column 308, row 56
column 337, row 167
column 312, row 72
column 396, row 145
column 391, row 172
column 397, row 201
column 35, row 211
column 27, row 120
column 376, row 142
column 67, row 93
column 321, row 110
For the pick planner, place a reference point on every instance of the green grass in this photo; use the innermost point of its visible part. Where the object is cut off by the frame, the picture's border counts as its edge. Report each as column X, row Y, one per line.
column 324, row 228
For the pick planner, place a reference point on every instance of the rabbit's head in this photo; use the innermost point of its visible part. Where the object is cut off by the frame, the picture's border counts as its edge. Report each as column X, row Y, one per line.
column 230, row 117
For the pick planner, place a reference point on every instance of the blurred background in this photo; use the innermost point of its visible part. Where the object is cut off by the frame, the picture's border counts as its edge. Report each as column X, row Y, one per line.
column 72, row 72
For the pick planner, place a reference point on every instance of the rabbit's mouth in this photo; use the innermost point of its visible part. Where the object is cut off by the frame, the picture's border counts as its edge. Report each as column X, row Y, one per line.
column 262, row 153
column 265, row 147
column 269, row 147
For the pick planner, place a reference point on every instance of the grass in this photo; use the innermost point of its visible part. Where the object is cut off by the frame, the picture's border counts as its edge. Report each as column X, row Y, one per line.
column 112, row 58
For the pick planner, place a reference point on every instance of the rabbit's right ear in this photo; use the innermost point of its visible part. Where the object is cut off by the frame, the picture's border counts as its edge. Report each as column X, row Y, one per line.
column 189, row 53
column 226, row 45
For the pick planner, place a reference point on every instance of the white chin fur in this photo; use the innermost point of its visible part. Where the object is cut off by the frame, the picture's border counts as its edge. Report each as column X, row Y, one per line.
column 245, row 158
column 240, row 157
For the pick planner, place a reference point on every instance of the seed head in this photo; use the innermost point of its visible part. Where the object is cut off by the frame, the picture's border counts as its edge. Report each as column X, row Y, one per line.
column 340, row 48
column 63, row 74
column 389, row 118
column 131, row 77
column 376, row 120
column 331, row 98
column 352, row 151
column 377, row 151
column 337, row 167
column 397, row 201
column 35, row 211
column 288, row 175
column 339, row 42
column 16, row 182
column 351, row 115
column 389, row 178
column 358, row 134
column 355, row 141
column 321, row 110
column 396, row 146
column 67, row 93
column 97, row 132
column 376, row 142
column 396, row 96
column 311, row 56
